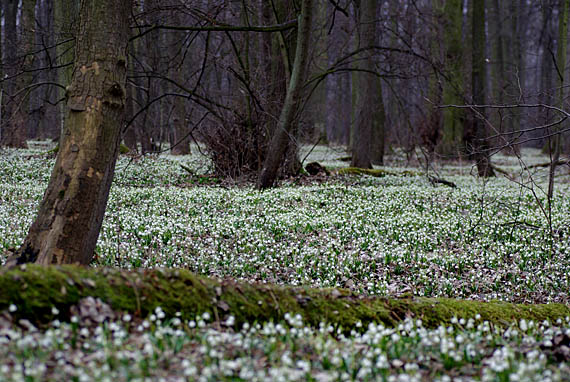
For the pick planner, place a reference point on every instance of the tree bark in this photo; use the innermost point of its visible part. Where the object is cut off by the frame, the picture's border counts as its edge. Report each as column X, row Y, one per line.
column 479, row 140
column 13, row 129
column 561, row 66
column 368, row 146
column 71, row 212
column 180, row 142
column 453, row 87
column 65, row 15
column 280, row 141
column 1, row 74
column 26, row 47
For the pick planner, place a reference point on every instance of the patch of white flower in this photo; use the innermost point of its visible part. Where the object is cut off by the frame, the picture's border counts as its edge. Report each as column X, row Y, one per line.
column 284, row 351
column 378, row 236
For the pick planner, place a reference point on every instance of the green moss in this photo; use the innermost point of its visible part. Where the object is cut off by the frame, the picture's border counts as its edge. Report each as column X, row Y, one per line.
column 123, row 149
column 378, row 173
column 35, row 290
column 52, row 151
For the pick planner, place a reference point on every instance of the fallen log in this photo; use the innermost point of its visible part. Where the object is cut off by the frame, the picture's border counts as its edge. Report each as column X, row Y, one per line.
column 378, row 173
column 31, row 292
column 561, row 162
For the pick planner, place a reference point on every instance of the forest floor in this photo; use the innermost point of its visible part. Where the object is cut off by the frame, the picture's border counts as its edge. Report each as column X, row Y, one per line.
column 397, row 236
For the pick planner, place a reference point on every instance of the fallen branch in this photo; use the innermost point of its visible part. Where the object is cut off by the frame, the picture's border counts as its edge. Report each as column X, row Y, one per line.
column 501, row 171
column 35, row 290
column 433, row 180
column 378, row 173
column 560, row 162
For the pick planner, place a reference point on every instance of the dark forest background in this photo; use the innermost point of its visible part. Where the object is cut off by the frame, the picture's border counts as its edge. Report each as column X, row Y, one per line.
column 382, row 74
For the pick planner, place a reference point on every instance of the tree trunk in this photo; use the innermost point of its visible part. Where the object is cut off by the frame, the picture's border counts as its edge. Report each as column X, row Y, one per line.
column 180, row 142
column 561, row 66
column 546, row 70
column 1, row 74
column 368, row 136
column 518, row 74
column 71, row 212
column 13, row 129
column 45, row 114
column 453, row 87
column 479, row 142
column 501, row 51
column 26, row 47
column 280, row 141
column 65, row 14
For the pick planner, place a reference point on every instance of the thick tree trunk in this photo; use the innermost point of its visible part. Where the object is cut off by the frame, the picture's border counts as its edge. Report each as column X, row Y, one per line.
column 479, row 142
column 71, row 213
column 280, row 140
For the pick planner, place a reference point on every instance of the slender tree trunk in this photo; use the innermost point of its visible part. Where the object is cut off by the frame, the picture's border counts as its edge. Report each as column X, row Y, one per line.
column 453, row 87
column 478, row 77
column 498, row 53
column 1, row 73
column 368, row 143
column 518, row 73
column 180, row 142
column 44, row 116
column 13, row 134
column 26, row 46
column 332, row 88
column 129, row 132
column 561, row 66
column 280, row 141
column 71, row 212
column 65, row 15
column 546, row 69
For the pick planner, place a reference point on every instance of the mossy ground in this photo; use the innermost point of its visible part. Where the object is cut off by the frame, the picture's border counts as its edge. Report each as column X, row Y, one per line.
column 35, row 290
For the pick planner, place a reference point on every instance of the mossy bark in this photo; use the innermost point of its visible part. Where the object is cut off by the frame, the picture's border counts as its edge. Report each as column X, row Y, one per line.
column 34, row 290
column 71, row 212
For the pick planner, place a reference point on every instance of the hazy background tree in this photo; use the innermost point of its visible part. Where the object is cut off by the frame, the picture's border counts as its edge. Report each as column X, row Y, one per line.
column 210, row 72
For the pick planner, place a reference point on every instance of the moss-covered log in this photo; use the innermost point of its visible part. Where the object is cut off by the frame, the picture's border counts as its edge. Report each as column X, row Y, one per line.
column 34, row 290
